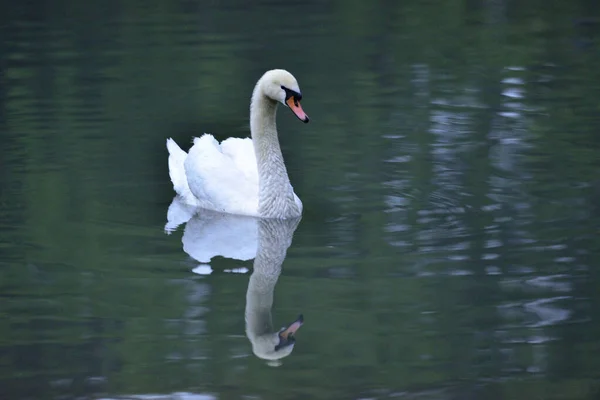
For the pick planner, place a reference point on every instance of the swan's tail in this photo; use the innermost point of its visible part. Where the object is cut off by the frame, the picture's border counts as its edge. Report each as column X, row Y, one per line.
column 177, row 172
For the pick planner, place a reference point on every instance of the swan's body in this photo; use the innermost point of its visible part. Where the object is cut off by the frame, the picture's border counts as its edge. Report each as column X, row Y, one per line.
column 243, row 176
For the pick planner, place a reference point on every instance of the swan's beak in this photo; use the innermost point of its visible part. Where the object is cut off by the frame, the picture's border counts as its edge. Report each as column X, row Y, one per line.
column 290, row 331
column 295, row 106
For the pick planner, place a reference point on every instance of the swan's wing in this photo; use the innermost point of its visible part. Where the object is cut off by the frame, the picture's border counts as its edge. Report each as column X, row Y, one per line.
column 241, row 152
column 217, row 181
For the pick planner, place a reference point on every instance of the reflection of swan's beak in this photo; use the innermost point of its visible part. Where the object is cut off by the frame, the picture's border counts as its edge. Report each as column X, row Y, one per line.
column 287, row 335
column 295, row 106
column 290, row 331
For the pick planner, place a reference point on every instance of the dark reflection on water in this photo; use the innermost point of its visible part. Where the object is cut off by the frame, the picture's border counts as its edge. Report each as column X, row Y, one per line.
column 449, row 244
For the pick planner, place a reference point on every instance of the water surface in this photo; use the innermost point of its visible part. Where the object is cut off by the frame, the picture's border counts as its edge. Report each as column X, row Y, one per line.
column 449, row 246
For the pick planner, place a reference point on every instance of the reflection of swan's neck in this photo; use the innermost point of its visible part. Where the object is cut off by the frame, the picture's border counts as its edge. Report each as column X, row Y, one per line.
column 270, row 254
column 259, row 301
column 274, row 238
column 275, row 194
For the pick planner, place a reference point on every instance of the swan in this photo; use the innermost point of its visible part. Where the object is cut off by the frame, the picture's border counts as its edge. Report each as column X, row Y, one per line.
column 209, row 234
column 243, row 176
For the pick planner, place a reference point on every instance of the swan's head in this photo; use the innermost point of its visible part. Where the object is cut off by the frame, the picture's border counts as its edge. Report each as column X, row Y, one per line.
column 281, row 86
column 278, row 345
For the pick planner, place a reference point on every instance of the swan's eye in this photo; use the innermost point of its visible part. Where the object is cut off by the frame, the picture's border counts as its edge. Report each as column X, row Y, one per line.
column 289, row 93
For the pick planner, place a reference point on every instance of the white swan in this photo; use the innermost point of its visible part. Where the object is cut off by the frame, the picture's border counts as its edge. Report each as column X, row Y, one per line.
column 209, row 234
column 243, row 176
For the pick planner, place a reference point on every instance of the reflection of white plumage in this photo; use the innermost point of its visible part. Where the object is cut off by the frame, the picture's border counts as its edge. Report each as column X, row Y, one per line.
column 209, row 234
column 243, row 176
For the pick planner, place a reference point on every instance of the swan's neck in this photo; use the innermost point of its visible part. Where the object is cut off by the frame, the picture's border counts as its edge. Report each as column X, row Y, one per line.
column 275, row 193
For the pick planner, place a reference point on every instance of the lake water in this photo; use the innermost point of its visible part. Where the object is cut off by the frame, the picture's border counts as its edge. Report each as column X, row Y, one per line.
column 449, row 246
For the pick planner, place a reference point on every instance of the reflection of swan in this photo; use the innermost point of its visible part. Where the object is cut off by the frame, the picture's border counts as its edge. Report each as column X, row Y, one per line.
column 243, row 176
column 208, row 234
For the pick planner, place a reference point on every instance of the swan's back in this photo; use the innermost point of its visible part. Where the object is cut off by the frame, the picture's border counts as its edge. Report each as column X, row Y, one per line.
column 241, row 152
column 224, row 176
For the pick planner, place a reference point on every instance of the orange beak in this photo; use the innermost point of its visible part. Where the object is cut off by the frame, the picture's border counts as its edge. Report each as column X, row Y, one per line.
column 296, row 108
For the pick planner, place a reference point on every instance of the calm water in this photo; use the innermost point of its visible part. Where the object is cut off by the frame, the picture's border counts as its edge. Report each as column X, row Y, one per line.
column 449, row 247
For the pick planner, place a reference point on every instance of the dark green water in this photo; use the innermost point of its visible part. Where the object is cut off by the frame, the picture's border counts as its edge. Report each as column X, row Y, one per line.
column 449, row 247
